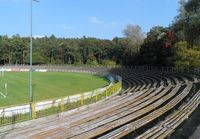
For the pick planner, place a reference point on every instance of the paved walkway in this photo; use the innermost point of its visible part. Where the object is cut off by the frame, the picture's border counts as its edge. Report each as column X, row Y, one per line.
column 196, row 134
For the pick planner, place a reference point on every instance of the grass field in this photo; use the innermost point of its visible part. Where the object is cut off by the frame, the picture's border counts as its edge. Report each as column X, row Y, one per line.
column 46, row 85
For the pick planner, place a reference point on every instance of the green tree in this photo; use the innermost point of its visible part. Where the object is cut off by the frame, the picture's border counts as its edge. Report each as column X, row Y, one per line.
column 187, row 23
column 185, row 57
column 134, row 38
column 156, row 49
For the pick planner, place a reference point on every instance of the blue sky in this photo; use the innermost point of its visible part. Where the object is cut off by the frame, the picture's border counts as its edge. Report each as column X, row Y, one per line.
column 76, row 18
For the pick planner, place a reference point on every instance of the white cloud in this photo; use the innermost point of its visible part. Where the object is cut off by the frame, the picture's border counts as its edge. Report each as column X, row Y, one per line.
column 170, row 1
column 38, row 36
column 14, row 1
column 64, row 27
column 97, row 21
column 113, row 24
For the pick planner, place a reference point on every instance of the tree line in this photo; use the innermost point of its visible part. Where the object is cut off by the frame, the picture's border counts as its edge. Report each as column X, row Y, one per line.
column 79, row 51
column 177, row 45
column 52, row 50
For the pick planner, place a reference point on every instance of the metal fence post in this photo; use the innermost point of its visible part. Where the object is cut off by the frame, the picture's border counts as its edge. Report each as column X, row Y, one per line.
column 106, row 92
column 62, row 107
column 113, row 89
column 96, row 95
column 82, row 99
column 33, row 116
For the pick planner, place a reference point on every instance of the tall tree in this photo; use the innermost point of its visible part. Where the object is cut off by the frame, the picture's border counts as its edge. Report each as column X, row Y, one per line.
column 134, row 37
column 187, row 23
column 156, row 48
column 134, row 33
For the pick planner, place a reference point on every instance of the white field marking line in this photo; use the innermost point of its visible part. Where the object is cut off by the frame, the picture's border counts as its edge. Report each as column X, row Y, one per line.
column 3, row 95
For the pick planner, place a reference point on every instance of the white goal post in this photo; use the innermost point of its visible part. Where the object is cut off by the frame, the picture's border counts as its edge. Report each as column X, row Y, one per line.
column 4, row 95
column 2, row 72
column 3, row 92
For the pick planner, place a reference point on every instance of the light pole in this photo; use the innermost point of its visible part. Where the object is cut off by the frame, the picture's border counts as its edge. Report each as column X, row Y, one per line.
column 31, row 53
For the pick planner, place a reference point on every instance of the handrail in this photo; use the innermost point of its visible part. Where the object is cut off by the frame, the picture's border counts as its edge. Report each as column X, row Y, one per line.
column 21, row 114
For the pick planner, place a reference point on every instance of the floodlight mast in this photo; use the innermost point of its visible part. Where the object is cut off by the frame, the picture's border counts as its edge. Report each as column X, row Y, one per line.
column 31, row 53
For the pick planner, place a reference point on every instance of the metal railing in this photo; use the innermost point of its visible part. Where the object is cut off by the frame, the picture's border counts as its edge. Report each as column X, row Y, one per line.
column 15, row 114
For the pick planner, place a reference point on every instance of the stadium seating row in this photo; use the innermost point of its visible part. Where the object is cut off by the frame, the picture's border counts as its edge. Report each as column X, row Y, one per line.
column 160, row 99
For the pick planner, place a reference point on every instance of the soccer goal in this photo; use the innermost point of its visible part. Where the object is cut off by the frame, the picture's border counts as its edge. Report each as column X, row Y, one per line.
column 2, row 72
column 4, row 93
column 3, row 85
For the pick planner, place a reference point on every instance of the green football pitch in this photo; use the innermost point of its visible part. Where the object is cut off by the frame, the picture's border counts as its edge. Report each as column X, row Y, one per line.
column 46, row 86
